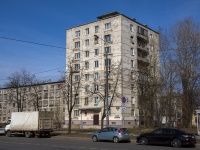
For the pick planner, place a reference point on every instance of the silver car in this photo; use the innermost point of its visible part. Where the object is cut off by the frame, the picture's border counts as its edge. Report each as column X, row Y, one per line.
column 2, row 130
column 114, row 134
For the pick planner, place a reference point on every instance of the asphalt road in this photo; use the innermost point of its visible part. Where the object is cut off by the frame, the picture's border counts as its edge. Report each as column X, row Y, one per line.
column 73, row 143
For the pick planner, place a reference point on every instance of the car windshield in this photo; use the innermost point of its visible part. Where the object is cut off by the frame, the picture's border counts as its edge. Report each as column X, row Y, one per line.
column 180, row 131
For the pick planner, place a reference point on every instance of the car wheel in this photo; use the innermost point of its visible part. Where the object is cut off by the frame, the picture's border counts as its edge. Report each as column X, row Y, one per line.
column 143, row 141
column 116, row 139
column 94, row 138
column 28, row 134
column 176, row 143
column 8, row 133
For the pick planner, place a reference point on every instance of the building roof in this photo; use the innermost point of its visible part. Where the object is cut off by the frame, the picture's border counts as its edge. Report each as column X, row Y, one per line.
column 114, row 14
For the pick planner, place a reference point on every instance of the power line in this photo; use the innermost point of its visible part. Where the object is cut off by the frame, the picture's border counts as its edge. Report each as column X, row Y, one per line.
column 32, row 42
column 42, row 71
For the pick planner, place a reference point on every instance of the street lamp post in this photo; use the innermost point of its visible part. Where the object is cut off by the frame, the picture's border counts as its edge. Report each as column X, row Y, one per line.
column 106, row 94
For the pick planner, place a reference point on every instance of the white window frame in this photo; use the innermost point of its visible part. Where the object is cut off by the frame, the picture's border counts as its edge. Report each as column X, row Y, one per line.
column 132, row 63
column 87, row 31
column 96, row 52
column 96, row 75
column 77, row 33
column 132, row 51
column 77, row 56
column 107, row 49
column 87, row 53
column 96, row 63
column 96, row 100
column 77, row 44
column 96, row 28
column 87, row 77
column 87, row 65
column 87, row 42
column 107, row 38
column 76, row 112
column 108, row 26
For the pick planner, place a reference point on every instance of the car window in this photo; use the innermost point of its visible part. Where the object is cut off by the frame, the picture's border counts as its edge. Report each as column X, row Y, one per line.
column 104, row 130
column 157, row 131
column 167, row 131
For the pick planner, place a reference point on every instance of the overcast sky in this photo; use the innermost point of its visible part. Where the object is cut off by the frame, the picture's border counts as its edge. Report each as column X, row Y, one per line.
column 46, row 21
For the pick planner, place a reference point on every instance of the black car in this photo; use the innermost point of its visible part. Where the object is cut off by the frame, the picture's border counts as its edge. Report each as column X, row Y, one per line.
column 167, row 136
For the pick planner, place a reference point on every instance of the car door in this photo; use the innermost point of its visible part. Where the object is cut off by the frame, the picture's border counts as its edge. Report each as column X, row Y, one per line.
column 103, row 134
column 167, row 135
column 154, row 137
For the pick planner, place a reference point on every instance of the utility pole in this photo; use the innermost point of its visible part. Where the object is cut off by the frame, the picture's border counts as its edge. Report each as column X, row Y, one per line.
column 106, row 91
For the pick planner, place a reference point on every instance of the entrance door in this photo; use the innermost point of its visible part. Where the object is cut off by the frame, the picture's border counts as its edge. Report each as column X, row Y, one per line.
column 96, row 120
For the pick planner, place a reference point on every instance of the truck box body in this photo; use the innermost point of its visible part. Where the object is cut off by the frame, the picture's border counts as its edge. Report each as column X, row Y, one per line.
column 31, row 121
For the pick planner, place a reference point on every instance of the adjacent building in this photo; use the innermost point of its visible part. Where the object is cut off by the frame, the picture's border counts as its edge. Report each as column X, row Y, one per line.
column 45, row 96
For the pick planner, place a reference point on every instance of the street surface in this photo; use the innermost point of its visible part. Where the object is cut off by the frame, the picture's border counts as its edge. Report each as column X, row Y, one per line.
column 73, row 143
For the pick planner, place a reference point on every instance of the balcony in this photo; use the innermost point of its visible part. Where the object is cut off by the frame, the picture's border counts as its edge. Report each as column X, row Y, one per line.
column 146, row 60
column 142, row 37
column 143, row 47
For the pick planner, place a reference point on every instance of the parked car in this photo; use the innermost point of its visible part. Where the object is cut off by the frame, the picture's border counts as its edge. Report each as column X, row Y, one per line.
column 114, row 134
column 2, row 130
column 167, row 136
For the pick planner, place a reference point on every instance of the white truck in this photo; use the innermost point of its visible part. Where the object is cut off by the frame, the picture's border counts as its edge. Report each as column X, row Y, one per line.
column 30, row 124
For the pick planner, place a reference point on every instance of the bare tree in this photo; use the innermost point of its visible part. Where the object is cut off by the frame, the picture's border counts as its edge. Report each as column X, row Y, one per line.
column 185, row 42
column 97, row 86
column 18, row 93
column 71, row 87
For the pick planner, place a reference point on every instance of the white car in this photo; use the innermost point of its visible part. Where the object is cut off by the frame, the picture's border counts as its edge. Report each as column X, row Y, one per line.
column 2, row 130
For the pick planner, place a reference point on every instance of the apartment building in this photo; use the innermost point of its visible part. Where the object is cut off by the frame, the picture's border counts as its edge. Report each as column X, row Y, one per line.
column 127, row 44
column 48, row 96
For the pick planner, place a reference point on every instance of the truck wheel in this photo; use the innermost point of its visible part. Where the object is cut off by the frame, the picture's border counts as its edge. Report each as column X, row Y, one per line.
column 28, row 134
column 8, row 133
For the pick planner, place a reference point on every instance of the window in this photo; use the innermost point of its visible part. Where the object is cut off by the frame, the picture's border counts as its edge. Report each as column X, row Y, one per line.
column 77, row 33
column 52, row 94
column 131, row 28
column 107, row 38
column 76, row 78
column 96, row 100
column 87, row 31
column 87, row 65
column 96, row 40
column 87, row 42
column 87, row 77
column 132, row 40
column 107, row 26
column 132, row 63
column 76, row 112
column 96, row 64
column 96, row 87
column 76, row 101
column 77, row 55
column 86, row 88
column 133, row 100
column 57, row 93
column 77, row 66
column 107, row 49
column 142, row 31
column 107, row 62
column 96, row 52
column 109, row 86
column 87, row 53
column 96, row 29
column 132, row 51
column 96, row 75
column 86, row 101
column 45, row 95
column 77, row 44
